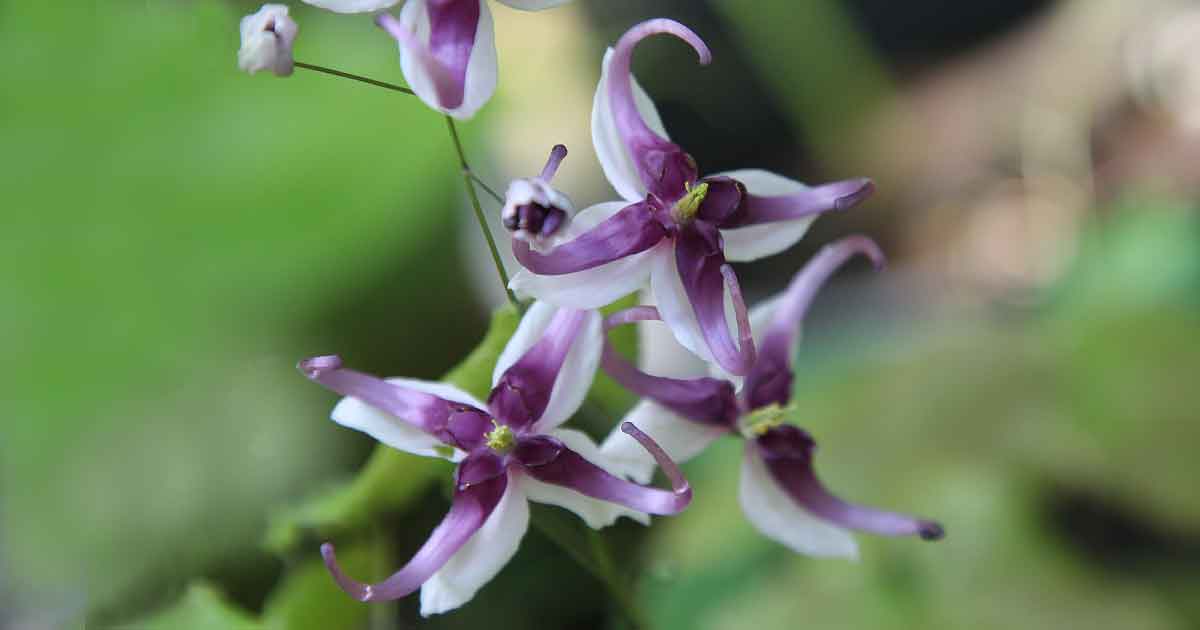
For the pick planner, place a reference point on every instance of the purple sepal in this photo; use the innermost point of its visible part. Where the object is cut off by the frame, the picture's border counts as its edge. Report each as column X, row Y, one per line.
column 770, row 379
column 703, row 400
column 788, row 453
column 632, row 230
column 662, row 166
column 570, row 470
column 480, row 466
column 521, row 394
column 701, row 263
column 537, row 450
column 840, row 195
column 454, row 423
column 723, row 202
column 452, row 30
column 470, row 510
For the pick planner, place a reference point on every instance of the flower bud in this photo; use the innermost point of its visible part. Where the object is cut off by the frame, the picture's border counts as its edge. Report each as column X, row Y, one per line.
column 534, row 211
column 267, row 38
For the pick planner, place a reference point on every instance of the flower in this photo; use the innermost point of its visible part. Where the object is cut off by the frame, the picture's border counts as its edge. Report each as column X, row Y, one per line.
column 780, row 492
column 673, row 227
column 267, row 38
column 447, row 47
column 533, row 210
column 509, row 451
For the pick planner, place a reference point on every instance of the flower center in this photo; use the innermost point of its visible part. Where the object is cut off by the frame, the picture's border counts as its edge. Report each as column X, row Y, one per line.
column 758, row 422
column 501, row 438
column 684, row 210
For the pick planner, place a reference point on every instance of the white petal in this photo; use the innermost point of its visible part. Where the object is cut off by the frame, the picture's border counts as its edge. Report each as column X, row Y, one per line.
column 659, row 353
column 682, row 439
column 388, row 429
column 758, row 241
column 478, row 561
column 777, row 516
column 610, row 150
column 579, row 368
column 594, row 512
column 674, row 306
column 352, row 6
column 533, row 5
column 595, row 287
column 481, row 67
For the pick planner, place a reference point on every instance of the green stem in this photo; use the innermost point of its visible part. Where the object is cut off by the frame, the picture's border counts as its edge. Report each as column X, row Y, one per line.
column 468, row 181
column 353, row 77
column 488, row 189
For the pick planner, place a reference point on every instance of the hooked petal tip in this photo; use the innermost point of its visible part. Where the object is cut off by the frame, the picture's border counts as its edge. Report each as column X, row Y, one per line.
column 679, row 483
column 865, row 189
column 316, row 366
column 930, row 530
column 642, row 30
column 359, row 591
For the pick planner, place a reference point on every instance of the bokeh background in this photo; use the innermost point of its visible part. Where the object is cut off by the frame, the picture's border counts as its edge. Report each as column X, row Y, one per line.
column 177, row 234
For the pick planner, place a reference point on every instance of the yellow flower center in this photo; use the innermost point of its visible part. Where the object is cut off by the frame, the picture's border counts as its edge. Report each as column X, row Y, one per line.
column 686, row 208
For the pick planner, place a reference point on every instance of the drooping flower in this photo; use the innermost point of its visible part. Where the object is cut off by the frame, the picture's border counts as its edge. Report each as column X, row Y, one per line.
column 509, row 450
column 534, row 211
column 780, row 492
column 674, row 228
column 447, row 47
column 267, row 37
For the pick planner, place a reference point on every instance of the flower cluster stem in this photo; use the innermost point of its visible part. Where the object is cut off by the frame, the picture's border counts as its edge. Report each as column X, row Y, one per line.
column 469, row 180
column 354, row 77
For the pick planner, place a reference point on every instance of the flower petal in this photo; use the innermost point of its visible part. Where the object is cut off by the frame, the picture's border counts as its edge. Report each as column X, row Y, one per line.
column 577, row 371
column 660, row 353
column 610, row 150
column 776, row 515
column 754, row 241
column 482, row 557
column 571, row 470
column 787, row 455
column 409, row 415
column 533, row 5
column 704, row 276
column 469, row 511
column 681, row 438
column 595, row 512
column 352, row 6
column 632, row 230
column 770, row 381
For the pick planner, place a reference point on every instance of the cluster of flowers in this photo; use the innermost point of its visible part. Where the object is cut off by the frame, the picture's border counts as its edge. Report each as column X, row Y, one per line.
column 671, row 236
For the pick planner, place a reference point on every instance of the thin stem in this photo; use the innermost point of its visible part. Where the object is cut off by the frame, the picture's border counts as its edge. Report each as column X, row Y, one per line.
column 354, row 77
column 488, row 189
column 468, row 181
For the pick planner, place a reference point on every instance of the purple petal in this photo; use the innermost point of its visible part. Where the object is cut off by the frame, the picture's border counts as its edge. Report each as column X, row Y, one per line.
column 570, row 470
column 704, row 274
column 703, row 400
column 834, row 196
column 521, row 394
column 632, row 230
column 452, row 422
column 471, row 508
column 557, row 154
column 770, row 381
column 663, row 167
column 452, row 29
column 723, row 202
column 478, row 467
column 535, row 450
column 788, row 453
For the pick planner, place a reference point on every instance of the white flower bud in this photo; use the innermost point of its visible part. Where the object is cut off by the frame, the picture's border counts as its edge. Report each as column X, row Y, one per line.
column 267, row 41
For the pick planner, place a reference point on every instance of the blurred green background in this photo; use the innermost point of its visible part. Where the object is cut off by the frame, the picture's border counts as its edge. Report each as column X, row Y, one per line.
column 180, row 234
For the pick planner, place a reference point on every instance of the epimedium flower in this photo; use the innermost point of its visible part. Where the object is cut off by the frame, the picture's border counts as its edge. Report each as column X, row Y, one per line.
column 267, row 37
column 534, row 211
column 509, row 450
column 447, row 47
column 779, row 491
column 673, row 227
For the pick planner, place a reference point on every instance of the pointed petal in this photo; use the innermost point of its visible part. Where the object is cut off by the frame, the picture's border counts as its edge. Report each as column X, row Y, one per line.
column 776, row 515
column 632, row 230
column 398, row 412
column 352, row 6
column 595, row 512
column 787, row 454
column 704, row 276
column 471, row 508
column 533, row 5
column 681, row 438
column 482, row 557
column 770, row 381
column 610, row 150
column 755, row 239
column 571, row 470
column 578, row 369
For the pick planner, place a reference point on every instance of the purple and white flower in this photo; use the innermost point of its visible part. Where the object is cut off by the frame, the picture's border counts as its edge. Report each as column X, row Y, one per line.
column 267, row 37
column 447, row 47
column 509, row 450
column 534, row 211
column 673, row 227
column 780, row 492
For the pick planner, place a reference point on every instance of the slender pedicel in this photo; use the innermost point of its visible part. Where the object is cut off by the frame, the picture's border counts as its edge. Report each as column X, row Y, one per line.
column 354, row 77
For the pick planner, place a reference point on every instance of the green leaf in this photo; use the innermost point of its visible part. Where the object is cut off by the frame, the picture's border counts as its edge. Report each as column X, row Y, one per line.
column 201, row 608
column 390, row 479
